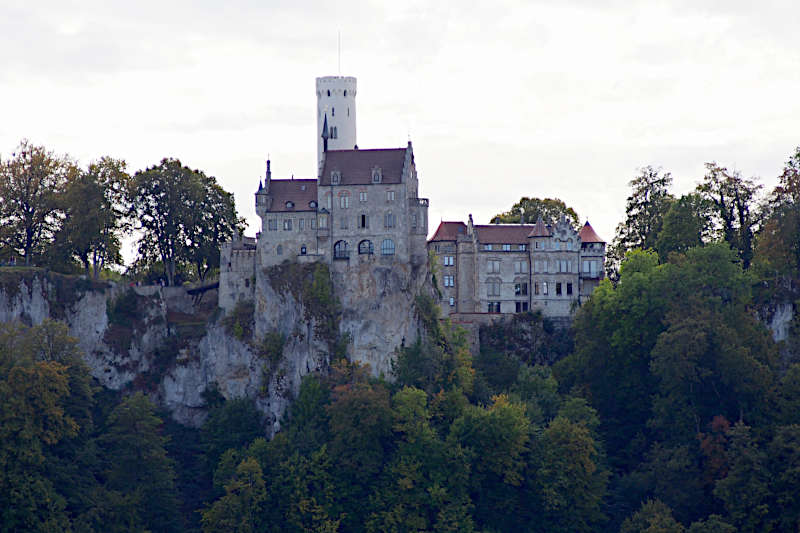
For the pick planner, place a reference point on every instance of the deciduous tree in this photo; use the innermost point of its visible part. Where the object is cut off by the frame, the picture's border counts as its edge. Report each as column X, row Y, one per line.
column 30, row 183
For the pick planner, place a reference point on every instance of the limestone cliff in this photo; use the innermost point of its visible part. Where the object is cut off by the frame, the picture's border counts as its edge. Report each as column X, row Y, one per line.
column 163, row 341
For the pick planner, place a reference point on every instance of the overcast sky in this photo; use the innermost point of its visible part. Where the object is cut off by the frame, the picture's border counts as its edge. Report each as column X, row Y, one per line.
column 501, row 99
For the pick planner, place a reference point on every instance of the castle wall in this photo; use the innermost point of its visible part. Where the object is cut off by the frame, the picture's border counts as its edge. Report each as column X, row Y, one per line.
column 236, row 273
column 277, row 242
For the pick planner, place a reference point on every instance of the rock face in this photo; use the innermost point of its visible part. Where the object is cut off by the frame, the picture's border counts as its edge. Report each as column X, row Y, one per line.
column 160, row 340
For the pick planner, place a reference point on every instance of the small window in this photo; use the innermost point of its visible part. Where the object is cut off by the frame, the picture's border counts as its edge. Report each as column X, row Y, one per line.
column 287, row 224
column 536, row 288
column 506, row 247
column 413, row 221
column 333, row 111
column 452, row 301
column 520, row 267
column 323, row 222
column 247, row 282
column 376, row 175
column 493, row 266
column 303, row 250
column 289, row 205
column 387, row 247
column 272, row 224
column 279, row 250
column 569, row 288
column 389, row 220
column 449, row 281
column 336, row 177
column 329, row 92
column 343, row 222
column 558, row 289
column 362, row 196
column 537, row 245
column 544, row 287
column 449, row 260
column 363, row 221
column 344, row 201
column 523, row 247
column 313, row 223
column 301, row 224
column 345, row 93
column 390, row 196
column 494, row 307
column 312, row 204
column 487, row 247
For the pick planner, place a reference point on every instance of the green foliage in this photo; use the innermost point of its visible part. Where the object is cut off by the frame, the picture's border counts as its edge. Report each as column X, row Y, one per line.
column 653, row 517
column 233, row 424
column 549, row 209
column 183, row 216
column 29, row 211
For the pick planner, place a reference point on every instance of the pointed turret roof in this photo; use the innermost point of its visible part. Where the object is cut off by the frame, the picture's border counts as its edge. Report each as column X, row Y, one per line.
column 587, row 234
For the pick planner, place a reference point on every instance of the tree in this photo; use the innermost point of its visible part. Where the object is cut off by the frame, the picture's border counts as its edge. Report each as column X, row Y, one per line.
column 733, row 204
column 644, row 214
column 652, row 517
column 549, row 209
column 213, row 221
column 169, row 204
column 95, row 207
column 568, row 479
column 745, row 491
column 139, row 488
column 778, row 242
column 239, row 510
column 30, row 183
column 686, row 224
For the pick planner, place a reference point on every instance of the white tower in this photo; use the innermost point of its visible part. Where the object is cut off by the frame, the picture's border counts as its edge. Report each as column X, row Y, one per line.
column 336, row 108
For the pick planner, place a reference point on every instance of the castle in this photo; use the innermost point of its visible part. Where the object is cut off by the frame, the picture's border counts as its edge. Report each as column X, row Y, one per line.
column 363, row 209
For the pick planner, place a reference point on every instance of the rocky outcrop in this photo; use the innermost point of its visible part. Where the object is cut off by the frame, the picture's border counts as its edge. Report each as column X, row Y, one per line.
column 159, row 339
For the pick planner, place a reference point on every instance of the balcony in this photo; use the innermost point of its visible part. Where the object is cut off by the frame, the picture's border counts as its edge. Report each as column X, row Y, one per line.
column 417, row 202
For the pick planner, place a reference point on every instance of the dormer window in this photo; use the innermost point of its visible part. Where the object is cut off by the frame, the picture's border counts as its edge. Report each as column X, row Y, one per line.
column 376, row 175
column 336, row 177
column 312, row 204
column 289, row 205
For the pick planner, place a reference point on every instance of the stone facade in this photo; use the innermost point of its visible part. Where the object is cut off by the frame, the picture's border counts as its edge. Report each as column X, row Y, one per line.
column 512, row 268
column 363, row 209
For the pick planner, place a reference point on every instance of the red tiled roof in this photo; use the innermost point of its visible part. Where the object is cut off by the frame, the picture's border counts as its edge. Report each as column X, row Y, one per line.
column 449, row 231
column 503, row 233
column 356, row 165
column 301, row 192
column 540, row 229
column 587, row 234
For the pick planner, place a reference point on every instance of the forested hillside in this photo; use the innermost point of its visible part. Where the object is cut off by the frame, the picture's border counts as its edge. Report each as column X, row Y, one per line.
column 668, row 406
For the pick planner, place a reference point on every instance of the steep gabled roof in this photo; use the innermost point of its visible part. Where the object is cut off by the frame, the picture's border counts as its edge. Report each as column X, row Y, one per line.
column 449, row 231
column 300, row 192
column 540, row 229
column 587, row 234
column 503, row 233
column 356, row 166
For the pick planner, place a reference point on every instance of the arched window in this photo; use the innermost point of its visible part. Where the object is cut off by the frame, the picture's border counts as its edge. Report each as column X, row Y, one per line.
column 366, row 247
column 329, row 93
column 333, row 111
column 345, row 92
column 303, row 250
column 341, row 250
column 279, row 250
column 387, row 247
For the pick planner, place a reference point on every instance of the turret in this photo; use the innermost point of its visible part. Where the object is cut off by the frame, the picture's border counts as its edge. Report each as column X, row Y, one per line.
column 336, row 107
